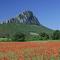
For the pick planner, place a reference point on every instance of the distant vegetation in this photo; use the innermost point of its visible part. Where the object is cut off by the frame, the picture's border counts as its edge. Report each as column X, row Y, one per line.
column 56, row 35
column 19, row 37
column 22, row 37
column 8, row 30
column 44, row 36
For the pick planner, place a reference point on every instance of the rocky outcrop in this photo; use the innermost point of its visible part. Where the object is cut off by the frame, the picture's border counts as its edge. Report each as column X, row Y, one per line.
column 25, row 17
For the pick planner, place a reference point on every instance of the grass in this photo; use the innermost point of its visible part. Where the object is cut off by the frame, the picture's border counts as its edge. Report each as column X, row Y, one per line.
column 5, row 40
column 10, row 40
column 9, row 55
column 45, row 41
column 12, row 28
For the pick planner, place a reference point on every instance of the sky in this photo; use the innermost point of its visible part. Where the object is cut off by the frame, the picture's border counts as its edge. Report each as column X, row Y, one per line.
column 47, row 11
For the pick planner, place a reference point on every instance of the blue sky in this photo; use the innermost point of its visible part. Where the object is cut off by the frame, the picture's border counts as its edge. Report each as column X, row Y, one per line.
column 47, row 11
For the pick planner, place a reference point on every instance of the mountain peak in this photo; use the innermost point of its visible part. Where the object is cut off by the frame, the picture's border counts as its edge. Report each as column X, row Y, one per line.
column 26, row 17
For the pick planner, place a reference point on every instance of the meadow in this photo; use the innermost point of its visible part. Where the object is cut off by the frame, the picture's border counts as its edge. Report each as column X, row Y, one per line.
column 30, row 50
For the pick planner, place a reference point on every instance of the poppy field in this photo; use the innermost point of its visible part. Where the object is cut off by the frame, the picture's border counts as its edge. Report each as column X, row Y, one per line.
column 29, row 50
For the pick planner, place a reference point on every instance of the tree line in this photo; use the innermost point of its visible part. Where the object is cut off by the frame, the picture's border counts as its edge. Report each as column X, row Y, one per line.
column 21, row 37
column 54, row 36
column 42, row 36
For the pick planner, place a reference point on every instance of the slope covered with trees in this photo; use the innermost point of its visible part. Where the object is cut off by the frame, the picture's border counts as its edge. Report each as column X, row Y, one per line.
column 26, row 23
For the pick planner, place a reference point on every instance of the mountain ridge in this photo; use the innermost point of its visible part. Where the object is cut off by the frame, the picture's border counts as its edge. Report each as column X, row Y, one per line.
column 26, row 17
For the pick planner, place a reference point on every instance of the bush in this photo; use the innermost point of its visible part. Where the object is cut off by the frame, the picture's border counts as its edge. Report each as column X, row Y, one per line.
column 19, row 37
column 44, row 36
column 56, row 35
column 4, row 35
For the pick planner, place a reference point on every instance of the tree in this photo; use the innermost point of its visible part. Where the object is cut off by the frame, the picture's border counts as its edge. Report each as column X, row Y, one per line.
column 44, row 36
column 20, row 37
column 56, row 35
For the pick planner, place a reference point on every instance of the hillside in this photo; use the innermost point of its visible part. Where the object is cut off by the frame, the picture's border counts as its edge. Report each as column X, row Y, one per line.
column 26, row 23
column 13, row 28
column 10, row 29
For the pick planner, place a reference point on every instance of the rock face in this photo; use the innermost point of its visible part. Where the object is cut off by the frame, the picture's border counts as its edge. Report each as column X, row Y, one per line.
column 25, row 17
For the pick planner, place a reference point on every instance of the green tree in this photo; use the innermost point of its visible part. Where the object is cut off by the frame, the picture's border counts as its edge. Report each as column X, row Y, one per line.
column 56, row 35
column 44, row 36
column 20, row 37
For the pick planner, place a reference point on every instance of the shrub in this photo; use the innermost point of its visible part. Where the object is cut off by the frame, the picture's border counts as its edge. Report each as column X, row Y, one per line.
column 4, row 35
column 20, row 37
column 56, row 35
column 44, row 36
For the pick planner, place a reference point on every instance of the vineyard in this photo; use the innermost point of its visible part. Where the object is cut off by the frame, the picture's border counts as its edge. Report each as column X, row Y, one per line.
column 30, row 51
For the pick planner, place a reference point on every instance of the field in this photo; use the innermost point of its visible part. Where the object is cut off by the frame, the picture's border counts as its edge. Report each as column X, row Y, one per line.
column 30, row 50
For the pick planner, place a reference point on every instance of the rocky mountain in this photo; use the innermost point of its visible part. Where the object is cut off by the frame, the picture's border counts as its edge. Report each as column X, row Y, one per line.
column 26, row 17
column 25, row 23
